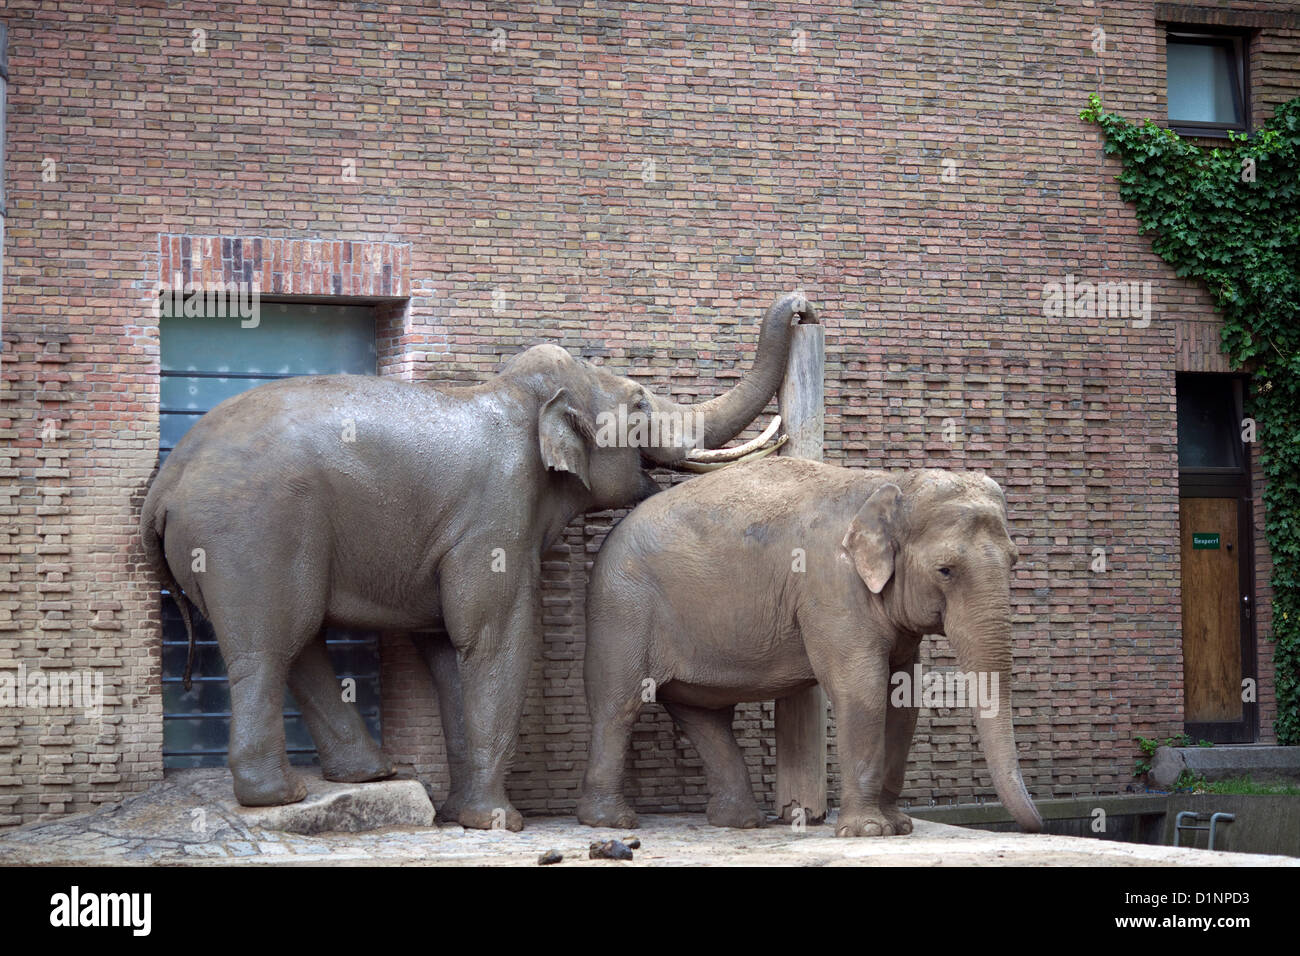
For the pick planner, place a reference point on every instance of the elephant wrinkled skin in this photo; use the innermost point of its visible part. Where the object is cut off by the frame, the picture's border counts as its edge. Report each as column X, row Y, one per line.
column 364, row 502
column 755, row 582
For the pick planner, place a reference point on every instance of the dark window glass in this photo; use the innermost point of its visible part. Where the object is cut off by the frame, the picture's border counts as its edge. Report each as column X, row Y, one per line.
column 1205, row 82
column 1209, row 429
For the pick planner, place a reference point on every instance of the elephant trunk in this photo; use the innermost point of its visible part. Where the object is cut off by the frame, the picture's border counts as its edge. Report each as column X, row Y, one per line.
column 724, row 417
column 984, row 648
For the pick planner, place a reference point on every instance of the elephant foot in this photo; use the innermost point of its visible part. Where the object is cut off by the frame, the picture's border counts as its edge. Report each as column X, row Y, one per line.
column 740, row 813
column 865, row 823
column 900, row 821
column 269, row 790
column 356, row 765
column 490, row 816
column 449, row 810
column 610, row 812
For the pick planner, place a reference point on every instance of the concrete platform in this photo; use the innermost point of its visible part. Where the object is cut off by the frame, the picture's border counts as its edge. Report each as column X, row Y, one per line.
column 1263, row 763
column 191, row 819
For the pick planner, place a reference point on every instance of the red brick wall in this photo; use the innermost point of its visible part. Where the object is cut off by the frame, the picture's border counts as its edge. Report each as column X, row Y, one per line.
column 636, row 185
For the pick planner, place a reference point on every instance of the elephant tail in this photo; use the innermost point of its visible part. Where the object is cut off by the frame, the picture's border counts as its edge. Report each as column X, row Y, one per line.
column 152, row 536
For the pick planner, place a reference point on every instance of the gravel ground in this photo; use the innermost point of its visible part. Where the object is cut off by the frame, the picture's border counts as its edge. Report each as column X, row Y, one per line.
column 191, row 819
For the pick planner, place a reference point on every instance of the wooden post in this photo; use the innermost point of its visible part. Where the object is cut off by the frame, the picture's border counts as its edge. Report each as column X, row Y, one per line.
column 801, row 718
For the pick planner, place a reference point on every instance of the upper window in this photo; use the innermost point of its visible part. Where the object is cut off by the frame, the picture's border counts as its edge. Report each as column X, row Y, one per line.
column 1206, row 77
column 1209, row 422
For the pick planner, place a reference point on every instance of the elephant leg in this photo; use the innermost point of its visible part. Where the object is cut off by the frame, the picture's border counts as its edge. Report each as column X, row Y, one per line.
column 857, row 682
column 347, row 752
column 440, row 656
column 613, row 709
column 258, row 760
column 263, row 620
column 731, row 797
column 490, row 618
column 259, row 635
column 900, row 727
column 618, row 681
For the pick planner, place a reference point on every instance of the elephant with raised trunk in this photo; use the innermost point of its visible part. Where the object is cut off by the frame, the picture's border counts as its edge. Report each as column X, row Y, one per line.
column 755, row 582
column 362, row 502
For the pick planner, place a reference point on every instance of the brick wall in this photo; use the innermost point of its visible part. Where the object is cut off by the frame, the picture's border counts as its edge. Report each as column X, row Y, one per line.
column 636, row 182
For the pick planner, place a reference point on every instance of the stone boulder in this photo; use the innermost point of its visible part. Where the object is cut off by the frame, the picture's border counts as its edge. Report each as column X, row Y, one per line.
column 1166, row 767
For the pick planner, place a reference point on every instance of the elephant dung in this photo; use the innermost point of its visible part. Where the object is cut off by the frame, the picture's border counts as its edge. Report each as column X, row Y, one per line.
column 549, row 857
column 610, row 850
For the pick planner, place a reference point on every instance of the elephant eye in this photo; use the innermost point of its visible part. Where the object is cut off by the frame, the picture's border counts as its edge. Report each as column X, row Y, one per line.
column 945, row 572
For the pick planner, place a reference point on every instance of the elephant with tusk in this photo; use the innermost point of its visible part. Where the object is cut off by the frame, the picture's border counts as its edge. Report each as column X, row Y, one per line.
column 757, row 582
column 364, row 502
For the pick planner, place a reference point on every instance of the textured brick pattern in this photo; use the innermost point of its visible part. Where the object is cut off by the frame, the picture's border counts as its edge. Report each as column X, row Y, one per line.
column 288, row 266
column 637, row 182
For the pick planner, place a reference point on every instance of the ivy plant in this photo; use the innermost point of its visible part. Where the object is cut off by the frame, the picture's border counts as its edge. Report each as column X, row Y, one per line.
column 1229, row 216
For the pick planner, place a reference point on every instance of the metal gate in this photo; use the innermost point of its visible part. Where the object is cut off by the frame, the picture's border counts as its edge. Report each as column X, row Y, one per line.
column 204, row 361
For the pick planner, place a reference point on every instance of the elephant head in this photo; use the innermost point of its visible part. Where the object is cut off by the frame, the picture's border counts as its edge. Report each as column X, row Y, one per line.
column 938, row 552
column 607, row 431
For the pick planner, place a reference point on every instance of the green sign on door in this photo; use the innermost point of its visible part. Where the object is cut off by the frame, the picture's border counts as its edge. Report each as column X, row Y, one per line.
column 1205, row 541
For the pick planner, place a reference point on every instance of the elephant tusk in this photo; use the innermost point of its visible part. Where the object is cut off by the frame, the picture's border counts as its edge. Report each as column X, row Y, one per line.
column 703, row 466
column 740, row 451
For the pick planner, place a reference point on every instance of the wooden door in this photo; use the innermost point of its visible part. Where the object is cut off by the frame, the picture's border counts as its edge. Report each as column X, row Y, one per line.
column 1212, row 610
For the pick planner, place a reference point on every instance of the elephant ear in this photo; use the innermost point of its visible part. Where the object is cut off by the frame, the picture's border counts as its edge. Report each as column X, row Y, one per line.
column 562, row 434
column 870, row 538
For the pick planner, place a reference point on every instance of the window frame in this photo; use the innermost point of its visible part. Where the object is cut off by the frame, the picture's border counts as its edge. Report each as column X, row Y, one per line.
column 1236, row 384
column 1237, row 41
column 194, row 735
